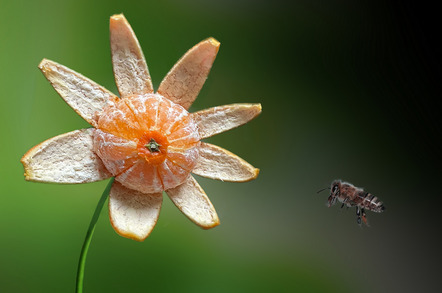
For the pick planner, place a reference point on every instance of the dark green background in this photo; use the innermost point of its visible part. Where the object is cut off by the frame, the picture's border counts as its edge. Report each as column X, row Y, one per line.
column 349, row 89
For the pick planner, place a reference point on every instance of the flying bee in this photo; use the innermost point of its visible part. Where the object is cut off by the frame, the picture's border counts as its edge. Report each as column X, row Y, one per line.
column 352, row 196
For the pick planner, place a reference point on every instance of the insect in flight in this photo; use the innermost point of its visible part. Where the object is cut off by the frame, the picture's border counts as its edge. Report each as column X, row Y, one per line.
column 352, row 196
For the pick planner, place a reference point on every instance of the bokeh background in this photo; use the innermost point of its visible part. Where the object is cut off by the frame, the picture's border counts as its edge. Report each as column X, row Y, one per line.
column 350, row 90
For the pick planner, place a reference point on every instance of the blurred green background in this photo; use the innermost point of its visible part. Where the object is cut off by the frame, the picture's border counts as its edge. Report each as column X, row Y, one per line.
column 350, row 90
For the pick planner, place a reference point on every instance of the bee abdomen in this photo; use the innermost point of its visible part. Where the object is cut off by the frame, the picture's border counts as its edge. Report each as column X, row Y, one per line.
column 371, row 202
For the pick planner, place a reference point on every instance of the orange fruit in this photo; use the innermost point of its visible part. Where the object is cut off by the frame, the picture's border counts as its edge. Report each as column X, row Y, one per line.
column 147, row 142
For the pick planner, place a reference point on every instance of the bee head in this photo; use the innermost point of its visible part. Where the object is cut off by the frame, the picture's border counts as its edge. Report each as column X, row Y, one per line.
column 335, row 187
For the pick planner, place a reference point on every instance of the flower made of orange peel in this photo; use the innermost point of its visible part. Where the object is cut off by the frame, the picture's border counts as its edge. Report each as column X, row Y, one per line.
column 148, row 141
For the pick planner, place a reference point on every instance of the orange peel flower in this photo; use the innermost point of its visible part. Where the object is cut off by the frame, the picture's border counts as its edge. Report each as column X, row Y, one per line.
column 148, row 141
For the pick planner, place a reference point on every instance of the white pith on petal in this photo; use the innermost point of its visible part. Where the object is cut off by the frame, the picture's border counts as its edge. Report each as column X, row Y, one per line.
column 130, row 68
column 193, row 202
column 217, row 163
column 185, row 80
column 133, row 214
column 67, row 158
column 84, row 96
column 222, row 118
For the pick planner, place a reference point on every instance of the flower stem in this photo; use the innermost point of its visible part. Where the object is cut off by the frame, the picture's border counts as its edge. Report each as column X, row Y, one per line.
column 88, row 239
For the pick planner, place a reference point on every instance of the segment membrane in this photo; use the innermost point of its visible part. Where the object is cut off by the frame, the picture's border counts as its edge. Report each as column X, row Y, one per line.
column 172, row 175
column 142, row 177
column 119, row 120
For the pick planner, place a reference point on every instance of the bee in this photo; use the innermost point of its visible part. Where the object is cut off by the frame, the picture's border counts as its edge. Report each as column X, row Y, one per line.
column 352, row 196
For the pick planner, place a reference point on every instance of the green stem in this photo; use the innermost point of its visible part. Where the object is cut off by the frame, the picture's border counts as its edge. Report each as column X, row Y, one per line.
column 88, row 239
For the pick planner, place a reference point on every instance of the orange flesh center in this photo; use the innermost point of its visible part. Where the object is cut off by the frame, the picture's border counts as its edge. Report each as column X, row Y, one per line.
column 152, row 146
column 147, row 142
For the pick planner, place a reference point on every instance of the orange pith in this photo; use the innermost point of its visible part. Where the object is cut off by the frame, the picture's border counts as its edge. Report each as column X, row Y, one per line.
column 147, row 142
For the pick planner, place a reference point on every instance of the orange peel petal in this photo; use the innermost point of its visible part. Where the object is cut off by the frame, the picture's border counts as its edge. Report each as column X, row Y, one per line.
column 222, row 118
column 133, row 214
column 217, row 163
column 82, row 94
column 186, row 78
column 130, row 68
column 193, row 202
column 67, row 158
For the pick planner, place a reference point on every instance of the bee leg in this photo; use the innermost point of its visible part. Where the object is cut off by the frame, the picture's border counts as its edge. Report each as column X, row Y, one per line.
column 364, row 217
column 330, row 199
column 358, row 214
column 344, row 202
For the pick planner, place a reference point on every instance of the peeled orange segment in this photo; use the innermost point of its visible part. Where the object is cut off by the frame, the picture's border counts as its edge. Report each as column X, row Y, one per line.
column 142, row 176
column 182, row 121
column 84, row 95
column 120, row 121
column 130, row 68
column 117, row 167
column 185, row 80
column 133, row 214
column 67, row 158
column 109, row 146
column 171, row 116
column 118, row 154
column 222, row 118
column 186, row 136
column 145, row 109
column 191, row 199
column 172, row 175
column 185, row 158
column 217, row 163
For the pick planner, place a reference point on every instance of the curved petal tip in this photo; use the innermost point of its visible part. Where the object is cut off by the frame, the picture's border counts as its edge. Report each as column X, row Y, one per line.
column 117, row 16
column 214, row 43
